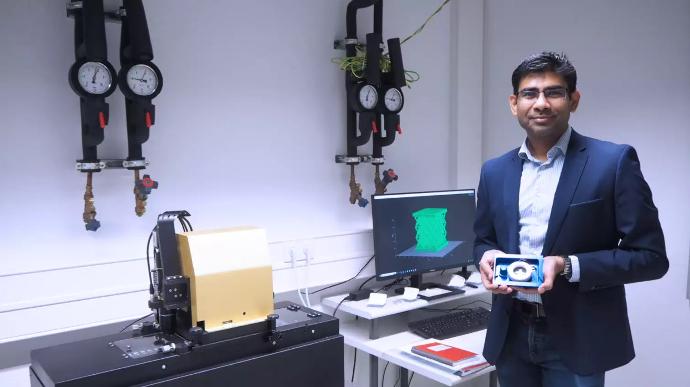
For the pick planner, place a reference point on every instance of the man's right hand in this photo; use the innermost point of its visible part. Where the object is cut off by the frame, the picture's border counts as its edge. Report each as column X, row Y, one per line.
column 486, row 268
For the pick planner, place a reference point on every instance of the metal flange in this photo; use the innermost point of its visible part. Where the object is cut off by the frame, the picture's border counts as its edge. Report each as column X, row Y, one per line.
column 345, row 159
column 111, row 164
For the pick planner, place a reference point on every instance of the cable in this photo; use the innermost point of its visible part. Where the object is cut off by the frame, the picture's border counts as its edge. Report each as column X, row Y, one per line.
column 357, row 64
column 148, row 263
column 306, row 281
column 347, row 280
column 306, row 297
column 354, row 363
column 383, row 376
column 390, row 285
column 340, row 303
column 418, row 30
column 299, row 293
column 135, row 321
column 189, row 225
column 363, row 283
column 410, row 381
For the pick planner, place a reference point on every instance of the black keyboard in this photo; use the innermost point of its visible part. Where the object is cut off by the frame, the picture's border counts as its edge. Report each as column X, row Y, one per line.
column 451, row 324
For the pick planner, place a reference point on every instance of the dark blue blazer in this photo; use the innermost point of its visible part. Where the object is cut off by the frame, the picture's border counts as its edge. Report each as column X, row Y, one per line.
column 604, row 214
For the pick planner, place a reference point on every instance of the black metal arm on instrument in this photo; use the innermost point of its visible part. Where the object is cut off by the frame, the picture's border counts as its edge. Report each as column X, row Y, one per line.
column 172, row 287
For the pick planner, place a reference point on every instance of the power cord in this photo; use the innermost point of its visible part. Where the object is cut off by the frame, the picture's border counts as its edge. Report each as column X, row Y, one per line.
column 383, row 376
column 134, row 322
column 391, row 284
column 408, row 382
column 348, row 298
column 347, row 280
column 148, row 259
column 364, row 283
column 354, row 363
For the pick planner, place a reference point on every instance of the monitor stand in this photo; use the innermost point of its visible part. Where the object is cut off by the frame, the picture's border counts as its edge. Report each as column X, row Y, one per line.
column 444, row 290
column 463, row 272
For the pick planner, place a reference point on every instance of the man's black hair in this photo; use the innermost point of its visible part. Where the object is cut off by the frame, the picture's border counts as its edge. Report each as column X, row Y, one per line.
column 547, row 61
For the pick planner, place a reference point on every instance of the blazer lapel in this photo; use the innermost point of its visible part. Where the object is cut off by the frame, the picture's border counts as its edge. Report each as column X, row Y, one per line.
column 511, row 195
column 575, row 161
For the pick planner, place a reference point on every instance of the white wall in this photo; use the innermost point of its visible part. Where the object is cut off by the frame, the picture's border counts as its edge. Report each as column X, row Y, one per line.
column 247, row 126
column 633, row 63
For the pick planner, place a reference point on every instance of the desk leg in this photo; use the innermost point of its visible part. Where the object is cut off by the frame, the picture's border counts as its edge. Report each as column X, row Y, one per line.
column 493, row 379
column 403, row 377
column 373, row 371
column 373, row 360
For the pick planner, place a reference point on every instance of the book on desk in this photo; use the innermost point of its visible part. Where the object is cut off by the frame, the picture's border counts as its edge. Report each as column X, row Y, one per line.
column 457, row 360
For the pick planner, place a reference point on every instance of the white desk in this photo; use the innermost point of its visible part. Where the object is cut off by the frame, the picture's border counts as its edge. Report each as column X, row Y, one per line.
column 382, row 333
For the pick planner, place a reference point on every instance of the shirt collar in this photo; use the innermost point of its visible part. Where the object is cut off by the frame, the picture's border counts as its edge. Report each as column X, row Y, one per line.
column 561, row 147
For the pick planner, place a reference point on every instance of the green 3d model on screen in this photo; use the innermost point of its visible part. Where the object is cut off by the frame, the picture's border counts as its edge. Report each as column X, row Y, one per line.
column 431, row 229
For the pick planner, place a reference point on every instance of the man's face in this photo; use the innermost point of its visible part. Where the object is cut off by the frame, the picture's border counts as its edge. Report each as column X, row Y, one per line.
column 543, row 105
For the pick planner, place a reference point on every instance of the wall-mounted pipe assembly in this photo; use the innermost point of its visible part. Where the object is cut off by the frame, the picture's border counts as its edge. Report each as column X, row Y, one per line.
column 93, row 78
column 369, row 97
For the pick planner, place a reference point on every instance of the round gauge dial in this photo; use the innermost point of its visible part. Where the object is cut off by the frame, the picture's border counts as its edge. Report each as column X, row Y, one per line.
column 142, row 80
column 94, row 77
column 368, row 96
column 393, row 99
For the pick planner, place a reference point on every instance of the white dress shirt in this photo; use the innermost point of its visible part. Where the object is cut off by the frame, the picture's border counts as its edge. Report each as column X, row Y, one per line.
column 537, row 189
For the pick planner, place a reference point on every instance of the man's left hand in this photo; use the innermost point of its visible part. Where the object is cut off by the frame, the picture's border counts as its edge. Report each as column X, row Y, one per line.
column 553, row 265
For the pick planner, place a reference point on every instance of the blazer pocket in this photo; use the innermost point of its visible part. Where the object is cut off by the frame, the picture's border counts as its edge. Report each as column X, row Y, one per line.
column 586, row 203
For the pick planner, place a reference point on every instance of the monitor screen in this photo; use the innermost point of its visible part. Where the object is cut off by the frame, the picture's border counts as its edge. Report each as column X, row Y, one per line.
column 417, row 233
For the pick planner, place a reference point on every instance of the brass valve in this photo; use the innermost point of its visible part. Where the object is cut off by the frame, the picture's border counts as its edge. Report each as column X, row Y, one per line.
column 89, row 214
column 356, row 190
column 389, row 176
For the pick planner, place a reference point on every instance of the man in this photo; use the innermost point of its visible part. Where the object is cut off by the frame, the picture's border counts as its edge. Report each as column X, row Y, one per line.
column 584, row 205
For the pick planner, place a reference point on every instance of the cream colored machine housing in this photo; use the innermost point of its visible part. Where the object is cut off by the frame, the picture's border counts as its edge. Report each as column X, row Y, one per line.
column 230, row 276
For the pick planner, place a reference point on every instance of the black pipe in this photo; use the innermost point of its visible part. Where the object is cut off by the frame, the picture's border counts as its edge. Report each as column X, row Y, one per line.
column 139, row 39
column 351, row 16
column 353, row 140
column 378, row 17
column 94, row 30
column 397, row 68
column 373, row 71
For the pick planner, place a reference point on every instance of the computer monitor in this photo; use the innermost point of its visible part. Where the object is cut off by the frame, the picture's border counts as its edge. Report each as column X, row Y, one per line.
column 416, row 233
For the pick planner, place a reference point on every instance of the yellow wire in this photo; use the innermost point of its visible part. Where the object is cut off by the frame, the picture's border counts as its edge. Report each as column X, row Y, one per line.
column 357, row 64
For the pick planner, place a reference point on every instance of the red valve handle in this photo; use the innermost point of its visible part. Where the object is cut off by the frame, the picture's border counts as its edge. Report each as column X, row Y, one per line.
column 374, row 127
column 101, row 120
column 147, row 182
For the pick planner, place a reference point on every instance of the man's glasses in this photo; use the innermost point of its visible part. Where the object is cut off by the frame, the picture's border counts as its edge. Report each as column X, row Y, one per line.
column 551, row 93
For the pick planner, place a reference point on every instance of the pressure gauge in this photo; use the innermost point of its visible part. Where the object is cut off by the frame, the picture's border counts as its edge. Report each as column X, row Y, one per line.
column 92, row 78
column 368, row 97
column 142, row 80
column 393, row 100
